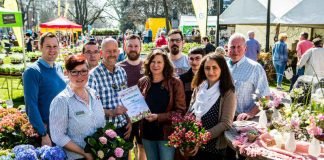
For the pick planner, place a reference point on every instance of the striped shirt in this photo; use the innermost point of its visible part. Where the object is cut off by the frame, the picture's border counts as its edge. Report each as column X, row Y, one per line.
column 249, row 78
column 71, row 119
column 107, row 85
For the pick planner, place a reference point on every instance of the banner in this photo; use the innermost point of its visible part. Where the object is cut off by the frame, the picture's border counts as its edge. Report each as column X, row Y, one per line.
column 200, row 7
column 12, row 5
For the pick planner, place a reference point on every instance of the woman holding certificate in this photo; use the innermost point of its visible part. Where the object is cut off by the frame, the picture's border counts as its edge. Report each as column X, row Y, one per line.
column 76, row 112
column 213, row 103
column 163, row 94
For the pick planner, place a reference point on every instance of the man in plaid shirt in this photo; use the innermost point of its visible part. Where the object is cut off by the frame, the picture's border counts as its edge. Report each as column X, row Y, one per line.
column 107, row 79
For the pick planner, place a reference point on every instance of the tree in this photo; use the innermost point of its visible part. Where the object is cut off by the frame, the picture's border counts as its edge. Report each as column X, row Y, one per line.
column 86, row 12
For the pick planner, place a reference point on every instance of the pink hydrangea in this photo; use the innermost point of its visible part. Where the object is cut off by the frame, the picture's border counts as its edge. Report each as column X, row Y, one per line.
column 103, row 140
column 119, row 152
column 111, row 133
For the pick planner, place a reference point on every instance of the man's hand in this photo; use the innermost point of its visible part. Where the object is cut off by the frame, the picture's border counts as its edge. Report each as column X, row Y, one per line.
column 128, row 130
column 46, row 140
column 244, row 116
column 151, row 117
column 120, row 110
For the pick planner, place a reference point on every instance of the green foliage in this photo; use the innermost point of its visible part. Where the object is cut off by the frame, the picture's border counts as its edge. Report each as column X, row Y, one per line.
column 34, row 55
column 188, row 46
column 104, row 32
column 16, row 49
column 148, row 46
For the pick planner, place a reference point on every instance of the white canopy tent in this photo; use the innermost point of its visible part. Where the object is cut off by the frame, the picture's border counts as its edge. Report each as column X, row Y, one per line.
column 192, row 21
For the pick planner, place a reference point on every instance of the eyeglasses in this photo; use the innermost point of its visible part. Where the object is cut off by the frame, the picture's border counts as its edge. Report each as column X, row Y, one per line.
column 178, row 40
column 194, row 58
column 92, row 53
column 76, row 73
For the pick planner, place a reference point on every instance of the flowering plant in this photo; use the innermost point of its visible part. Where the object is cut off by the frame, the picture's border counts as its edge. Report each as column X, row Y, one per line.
column 265, row 103
column 106, row 144
column 188, row 132
column 29, row 152
column 15, row 128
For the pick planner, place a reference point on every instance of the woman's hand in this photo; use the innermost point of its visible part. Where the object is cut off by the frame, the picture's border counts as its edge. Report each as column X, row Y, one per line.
column 88, row 156
column 190, row 152
column 151, row 117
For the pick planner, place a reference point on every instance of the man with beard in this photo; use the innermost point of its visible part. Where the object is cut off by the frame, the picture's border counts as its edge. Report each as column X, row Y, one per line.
column 175, row 44
column 133, row 67
column 107, row 79
column 43, row 80
column 91, row 51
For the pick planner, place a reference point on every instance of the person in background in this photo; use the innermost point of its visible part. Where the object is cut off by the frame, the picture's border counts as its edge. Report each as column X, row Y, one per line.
column 76, row 112
column 133, row 67
column 29, row 42
column 302, row 46
column 44, row 80
column 164, row 95
column 214, row 103
column 280, row 58
column 252, row 47
column 195, row 56
column 161, row 40
column 91, row 51
column 313, row 59
column 208, row 46
column 179, row 59
column 107, row 79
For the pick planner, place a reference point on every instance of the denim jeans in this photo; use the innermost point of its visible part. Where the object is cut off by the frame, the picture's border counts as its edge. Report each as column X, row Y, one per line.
column 280, row 68
column 157, row 150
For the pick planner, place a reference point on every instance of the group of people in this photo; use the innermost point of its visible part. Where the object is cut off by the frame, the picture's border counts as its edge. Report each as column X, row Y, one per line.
column 216, row 89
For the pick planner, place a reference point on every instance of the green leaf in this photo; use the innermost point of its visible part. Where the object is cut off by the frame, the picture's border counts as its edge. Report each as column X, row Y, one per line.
column 92, row 142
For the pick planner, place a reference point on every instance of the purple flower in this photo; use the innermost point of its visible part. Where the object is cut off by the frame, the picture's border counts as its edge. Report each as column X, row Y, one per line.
column 21, row 148
column 53, row 153
column 103, row 140
column 27, row 154
column 119, row 152
column 111, row 133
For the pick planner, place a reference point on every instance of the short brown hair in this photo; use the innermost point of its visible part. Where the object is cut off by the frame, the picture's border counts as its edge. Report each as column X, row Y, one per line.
column 168, row 70
column 176, row 31
column 225, row 79
column 47, row 34
column 74, row 60
column 205, row 38
column 89, row 43
column 133, row 36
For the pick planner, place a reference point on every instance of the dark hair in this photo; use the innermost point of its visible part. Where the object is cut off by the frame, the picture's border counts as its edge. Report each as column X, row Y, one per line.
column 168, row 70
column 28, row 34
column 197, row 50
column 226, row 81
column 74, row 60
column 176, row 31
column 205, row 38
column 304, row 34
column 133, row 36
column 318, row 42
column 47, row 34
column 89, row 43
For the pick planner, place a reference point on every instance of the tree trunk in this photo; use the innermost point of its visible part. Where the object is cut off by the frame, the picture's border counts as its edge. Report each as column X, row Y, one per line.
column 166, row 15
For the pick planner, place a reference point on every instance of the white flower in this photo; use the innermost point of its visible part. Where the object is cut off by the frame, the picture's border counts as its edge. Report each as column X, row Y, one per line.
column 100, row 154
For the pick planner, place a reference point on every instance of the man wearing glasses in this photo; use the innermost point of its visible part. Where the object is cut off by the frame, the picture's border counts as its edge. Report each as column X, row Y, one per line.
column 43, row 81
column 91, row 51
column 175, row 44
column 107, row 79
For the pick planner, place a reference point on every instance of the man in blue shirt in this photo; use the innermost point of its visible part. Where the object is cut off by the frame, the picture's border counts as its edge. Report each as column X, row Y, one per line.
column 43, row 80
column 252, row 47
column 249, row 78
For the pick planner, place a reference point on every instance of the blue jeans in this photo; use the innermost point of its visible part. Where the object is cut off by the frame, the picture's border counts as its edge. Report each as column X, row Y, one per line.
column 157, row 150
column 280, row 68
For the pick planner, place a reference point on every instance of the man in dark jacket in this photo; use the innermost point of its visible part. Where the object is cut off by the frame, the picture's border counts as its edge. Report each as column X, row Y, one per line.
column 208, row 46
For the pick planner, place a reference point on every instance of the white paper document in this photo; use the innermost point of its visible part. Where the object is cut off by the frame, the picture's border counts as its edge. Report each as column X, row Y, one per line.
column 134, row 101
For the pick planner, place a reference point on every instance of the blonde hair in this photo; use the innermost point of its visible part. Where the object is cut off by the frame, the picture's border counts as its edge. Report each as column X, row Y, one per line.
column 282, row 36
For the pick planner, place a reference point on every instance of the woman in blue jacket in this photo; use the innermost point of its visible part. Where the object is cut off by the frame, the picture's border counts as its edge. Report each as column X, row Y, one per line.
column 280, row 57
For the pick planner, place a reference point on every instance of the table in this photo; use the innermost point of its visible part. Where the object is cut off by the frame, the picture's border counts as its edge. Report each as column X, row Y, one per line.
column 232, row 133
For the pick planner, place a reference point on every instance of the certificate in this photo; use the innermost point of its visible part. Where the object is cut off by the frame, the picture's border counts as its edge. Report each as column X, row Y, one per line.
column 134, row 101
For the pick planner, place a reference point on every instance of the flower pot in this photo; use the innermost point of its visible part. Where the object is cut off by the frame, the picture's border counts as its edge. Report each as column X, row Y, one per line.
column 269, row 114
column 251, row 137
column 314, row 148
column 186, row 151
column 276, row 114
column 290, row 144
column 263, row 119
